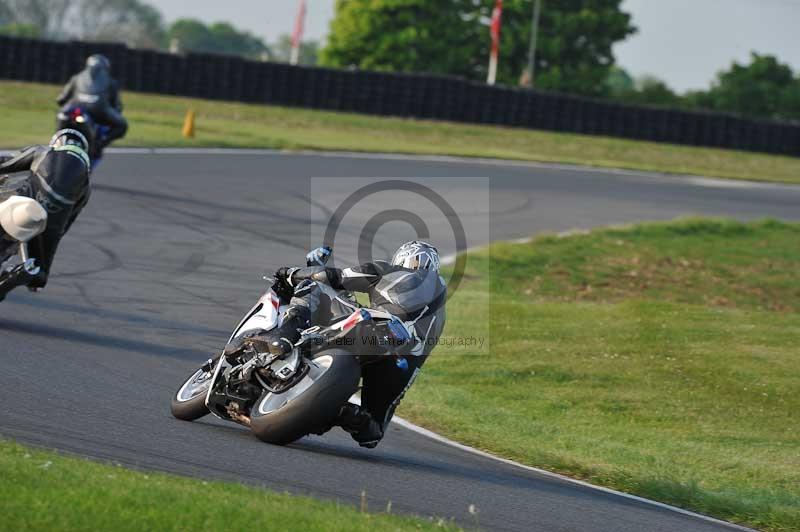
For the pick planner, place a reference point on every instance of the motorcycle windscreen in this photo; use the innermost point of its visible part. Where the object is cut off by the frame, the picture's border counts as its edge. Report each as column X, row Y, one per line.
column 263, row 316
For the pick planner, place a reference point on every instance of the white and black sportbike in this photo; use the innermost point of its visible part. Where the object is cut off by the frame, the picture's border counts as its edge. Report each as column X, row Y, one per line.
column 283, row 397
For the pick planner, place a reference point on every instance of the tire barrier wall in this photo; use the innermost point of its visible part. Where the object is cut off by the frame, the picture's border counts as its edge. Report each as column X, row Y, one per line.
column 455, row 99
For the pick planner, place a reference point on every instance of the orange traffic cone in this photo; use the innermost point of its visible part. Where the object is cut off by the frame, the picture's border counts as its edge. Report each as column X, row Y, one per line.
column 188, row 124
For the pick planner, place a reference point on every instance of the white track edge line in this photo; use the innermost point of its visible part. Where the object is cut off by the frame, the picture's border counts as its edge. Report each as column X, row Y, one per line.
column 441, row 439
column 696, row 180
column 543, row 472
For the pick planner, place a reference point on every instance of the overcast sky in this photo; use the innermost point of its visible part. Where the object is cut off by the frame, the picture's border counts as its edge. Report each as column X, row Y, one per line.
column 684, row 42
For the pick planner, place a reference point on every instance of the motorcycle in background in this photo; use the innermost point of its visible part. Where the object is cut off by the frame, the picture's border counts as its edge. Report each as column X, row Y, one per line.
column 75, row 116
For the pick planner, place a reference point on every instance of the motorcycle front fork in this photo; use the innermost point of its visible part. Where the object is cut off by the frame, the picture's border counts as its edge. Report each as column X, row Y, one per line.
column 21, row 274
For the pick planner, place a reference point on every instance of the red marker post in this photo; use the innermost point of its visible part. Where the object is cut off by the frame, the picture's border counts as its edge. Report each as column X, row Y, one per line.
column 494, row 27
column 297, row 34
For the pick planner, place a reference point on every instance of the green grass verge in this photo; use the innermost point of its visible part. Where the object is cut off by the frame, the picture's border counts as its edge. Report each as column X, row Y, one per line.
column 156, row 121
column 661, row 360
column 46, row 491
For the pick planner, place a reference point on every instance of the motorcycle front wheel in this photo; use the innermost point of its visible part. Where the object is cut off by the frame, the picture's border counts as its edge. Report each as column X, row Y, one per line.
column 310, row 406
column 189, row 402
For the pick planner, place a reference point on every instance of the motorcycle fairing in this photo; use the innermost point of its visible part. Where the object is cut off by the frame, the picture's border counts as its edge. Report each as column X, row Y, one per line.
column 265, row 315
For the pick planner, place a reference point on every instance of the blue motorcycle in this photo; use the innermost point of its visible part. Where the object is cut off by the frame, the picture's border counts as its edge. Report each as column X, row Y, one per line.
column 75, row 116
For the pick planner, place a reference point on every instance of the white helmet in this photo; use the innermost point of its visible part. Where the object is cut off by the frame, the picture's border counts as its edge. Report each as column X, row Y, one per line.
column 417, row 255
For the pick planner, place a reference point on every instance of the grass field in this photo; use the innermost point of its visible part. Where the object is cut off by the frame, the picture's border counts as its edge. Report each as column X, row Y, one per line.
column 29, row 112
column 44, row 491
column 662, row 360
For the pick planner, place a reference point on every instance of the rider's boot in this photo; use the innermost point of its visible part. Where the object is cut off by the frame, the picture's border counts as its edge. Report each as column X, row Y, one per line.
column 38, row 281
column 360, row 425
column 283, row 338
column 278, row 341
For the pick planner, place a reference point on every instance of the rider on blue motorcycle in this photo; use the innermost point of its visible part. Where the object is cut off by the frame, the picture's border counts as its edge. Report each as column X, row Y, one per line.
column 98, row 93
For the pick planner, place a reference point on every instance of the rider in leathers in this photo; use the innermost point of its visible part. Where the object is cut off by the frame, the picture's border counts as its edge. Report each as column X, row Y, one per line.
column 60, row 183
column 98, row 92
column 410, row 288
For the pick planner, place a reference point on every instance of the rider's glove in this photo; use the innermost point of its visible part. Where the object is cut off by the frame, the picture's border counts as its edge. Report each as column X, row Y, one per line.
column 319, row 256
column 284, row 275
column 281, row 274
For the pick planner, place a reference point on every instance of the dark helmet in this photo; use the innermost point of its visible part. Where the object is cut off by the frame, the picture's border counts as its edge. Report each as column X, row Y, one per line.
column 417, row 255
column 98, row 61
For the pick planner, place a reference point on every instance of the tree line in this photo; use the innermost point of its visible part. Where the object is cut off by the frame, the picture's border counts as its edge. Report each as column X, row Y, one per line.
column 140, row 25
column 762, row 87
column 574, row 51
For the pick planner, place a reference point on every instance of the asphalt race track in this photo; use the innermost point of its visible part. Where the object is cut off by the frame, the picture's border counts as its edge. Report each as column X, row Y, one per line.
column 168, row 256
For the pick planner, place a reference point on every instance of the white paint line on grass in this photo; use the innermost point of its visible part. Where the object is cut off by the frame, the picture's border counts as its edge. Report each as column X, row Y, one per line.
column 549, row 474
column 449, row 260
column 441, row 439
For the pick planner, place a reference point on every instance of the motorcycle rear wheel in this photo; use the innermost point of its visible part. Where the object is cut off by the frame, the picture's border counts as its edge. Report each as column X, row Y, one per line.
column 312, row 405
